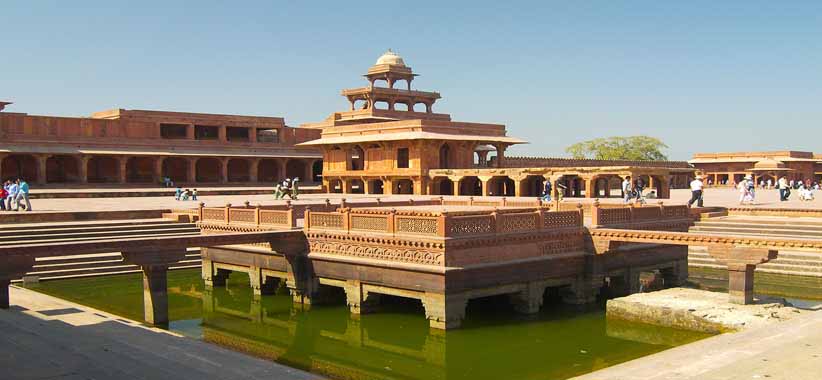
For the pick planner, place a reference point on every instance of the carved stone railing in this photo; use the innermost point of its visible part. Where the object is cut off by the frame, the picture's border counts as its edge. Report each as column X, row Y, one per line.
column 633, row 216
column 247, row 216
column 442, row 224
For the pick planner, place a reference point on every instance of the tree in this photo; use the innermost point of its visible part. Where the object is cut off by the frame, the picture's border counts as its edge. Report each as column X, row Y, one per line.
column 639, row 148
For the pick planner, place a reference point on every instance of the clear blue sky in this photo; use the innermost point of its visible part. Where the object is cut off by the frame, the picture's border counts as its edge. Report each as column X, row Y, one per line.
column 700, row 75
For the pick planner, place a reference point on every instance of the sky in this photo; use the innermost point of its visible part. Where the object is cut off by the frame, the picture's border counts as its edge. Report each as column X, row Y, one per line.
column 702, row 76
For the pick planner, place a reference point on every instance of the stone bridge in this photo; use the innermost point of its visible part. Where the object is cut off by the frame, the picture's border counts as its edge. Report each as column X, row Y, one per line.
column 153, row 255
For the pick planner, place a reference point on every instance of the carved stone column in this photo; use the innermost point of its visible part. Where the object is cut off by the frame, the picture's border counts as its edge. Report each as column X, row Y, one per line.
column 82, row 169
column 191, row 176
column 740, row 283
column 158, row 169
column 121, row 172
column 224, row 170
column 529, row 300
column 252, row 169
column 358, row 300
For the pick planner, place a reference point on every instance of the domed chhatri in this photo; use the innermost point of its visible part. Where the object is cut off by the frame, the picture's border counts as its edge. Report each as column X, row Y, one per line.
column 390, row 58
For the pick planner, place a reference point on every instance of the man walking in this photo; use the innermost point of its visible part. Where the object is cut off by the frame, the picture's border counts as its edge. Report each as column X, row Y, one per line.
column 626, row 190
column 546, row 191
column 640, row 185
column 696, row 192
column 12, row 197
column 22, row 194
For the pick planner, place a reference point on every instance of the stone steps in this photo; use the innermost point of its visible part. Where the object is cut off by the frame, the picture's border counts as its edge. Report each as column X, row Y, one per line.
column 758, row 231
column 97, row 264
column 21, row 237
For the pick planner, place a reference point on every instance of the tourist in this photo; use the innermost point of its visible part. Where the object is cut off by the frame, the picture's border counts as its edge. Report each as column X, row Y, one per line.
column 770, row 184
column 278, row 191
column 784, row 190
column 627, row 194
column 295, row 190
column 186, row 194
column 746, row 190
column 3, row 194
column 12, row 197
column 546, row 191
column 560, row 190
column 640, row 185
column 178, row 193
column 194, row 195
column 696, row 192
column 22, row 195
column 806, row 193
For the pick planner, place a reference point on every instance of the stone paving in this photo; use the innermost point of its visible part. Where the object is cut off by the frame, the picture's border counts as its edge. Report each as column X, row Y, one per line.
column 47, row 338
column 713, row 197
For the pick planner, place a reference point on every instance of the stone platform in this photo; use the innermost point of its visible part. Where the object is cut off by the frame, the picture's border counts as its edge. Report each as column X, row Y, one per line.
column 48, row 338
column 698, row 310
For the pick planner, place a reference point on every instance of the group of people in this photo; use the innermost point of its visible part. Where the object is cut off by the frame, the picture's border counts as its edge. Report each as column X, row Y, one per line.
column 805, row 189
column 287, row 187
column 633, row 190
column 184, row 195
column 15, row 194
column 548, row 188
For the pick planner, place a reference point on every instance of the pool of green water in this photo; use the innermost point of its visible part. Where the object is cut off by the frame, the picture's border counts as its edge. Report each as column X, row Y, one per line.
column 394, row 343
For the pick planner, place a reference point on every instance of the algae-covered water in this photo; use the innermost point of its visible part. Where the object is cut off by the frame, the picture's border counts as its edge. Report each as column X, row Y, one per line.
column 395, row 343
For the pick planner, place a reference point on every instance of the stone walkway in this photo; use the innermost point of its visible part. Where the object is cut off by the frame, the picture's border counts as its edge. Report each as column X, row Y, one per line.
column 790, row 350
column 48, row 338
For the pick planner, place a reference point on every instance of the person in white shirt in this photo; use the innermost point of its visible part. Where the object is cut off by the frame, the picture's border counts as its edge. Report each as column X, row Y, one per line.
column 627, row 194
column 784, row 189
column 696, row 192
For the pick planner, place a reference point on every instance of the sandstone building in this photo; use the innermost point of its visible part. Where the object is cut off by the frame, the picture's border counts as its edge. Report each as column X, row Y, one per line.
column 726, row 169
column 390, row 141
column 135, row 146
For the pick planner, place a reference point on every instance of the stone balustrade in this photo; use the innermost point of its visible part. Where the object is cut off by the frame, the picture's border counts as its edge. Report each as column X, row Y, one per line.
column 443, row 224
column 634, row 216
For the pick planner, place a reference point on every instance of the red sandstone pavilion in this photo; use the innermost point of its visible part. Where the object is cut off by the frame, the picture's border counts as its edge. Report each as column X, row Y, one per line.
column 391, row 142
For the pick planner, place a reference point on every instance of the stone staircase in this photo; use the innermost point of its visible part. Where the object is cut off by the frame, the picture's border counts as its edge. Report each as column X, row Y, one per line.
column 795, row 263
column 93, row 264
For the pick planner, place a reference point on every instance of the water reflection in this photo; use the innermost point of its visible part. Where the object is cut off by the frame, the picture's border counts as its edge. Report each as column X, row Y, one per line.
column 398, row 344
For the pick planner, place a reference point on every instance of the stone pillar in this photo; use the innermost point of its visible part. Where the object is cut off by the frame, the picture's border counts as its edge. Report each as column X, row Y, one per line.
column 444, row 312
column 677, row 274
column 2, row 157
column 419, row 186
column 190, row 132
column 154, row 264
column 519, row 185
column 281, row 169
column 309, row 170
column 345, row 186
column 155, row 294
column 388, row 186
column 224, row 170
column 590, row 187
column 252, row 135
column 485, row 181
column 740, row 283
column 192, row 170
column 529, row 300
column 358, row 300
column 253, row 167
column 260, row 284
column 83, row 169
column 221, row 134
column 41, row 168
column 500, row 155
column 122, row 173
column 12, row 267
column 158, row 169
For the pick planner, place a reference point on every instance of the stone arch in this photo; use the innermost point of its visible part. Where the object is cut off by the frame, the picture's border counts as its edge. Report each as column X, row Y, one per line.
column 356, row 158
column 62, row 169
column 355, row 186
column 376, row 186
column 335, row 186
column 501, row 186
column 442, row 186
column 268, row 170
column 140, row 169
column 403, row 186
column 295, row 169
column 20, row 165
column 176, row 168
column 239, row 170
column 360, row 104
column 446, row 156
column 420, row 107
column 208, row 169
column 401, row 106
column 381, row 105
column 470, row 186
column 102, row 169
column 317, row 171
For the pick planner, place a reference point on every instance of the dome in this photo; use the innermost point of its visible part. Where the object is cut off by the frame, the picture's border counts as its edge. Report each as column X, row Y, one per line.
column 769, row 163
column 390, row 58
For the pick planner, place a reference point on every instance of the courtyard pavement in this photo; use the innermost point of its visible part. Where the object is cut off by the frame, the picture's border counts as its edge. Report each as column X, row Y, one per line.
column 48, row 338
column 713, row 197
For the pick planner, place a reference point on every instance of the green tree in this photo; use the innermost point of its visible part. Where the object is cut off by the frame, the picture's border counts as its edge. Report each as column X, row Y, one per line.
column 640, row 148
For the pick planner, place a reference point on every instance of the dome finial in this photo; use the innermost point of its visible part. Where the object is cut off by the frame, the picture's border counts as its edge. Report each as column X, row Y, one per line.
column 390, row 58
